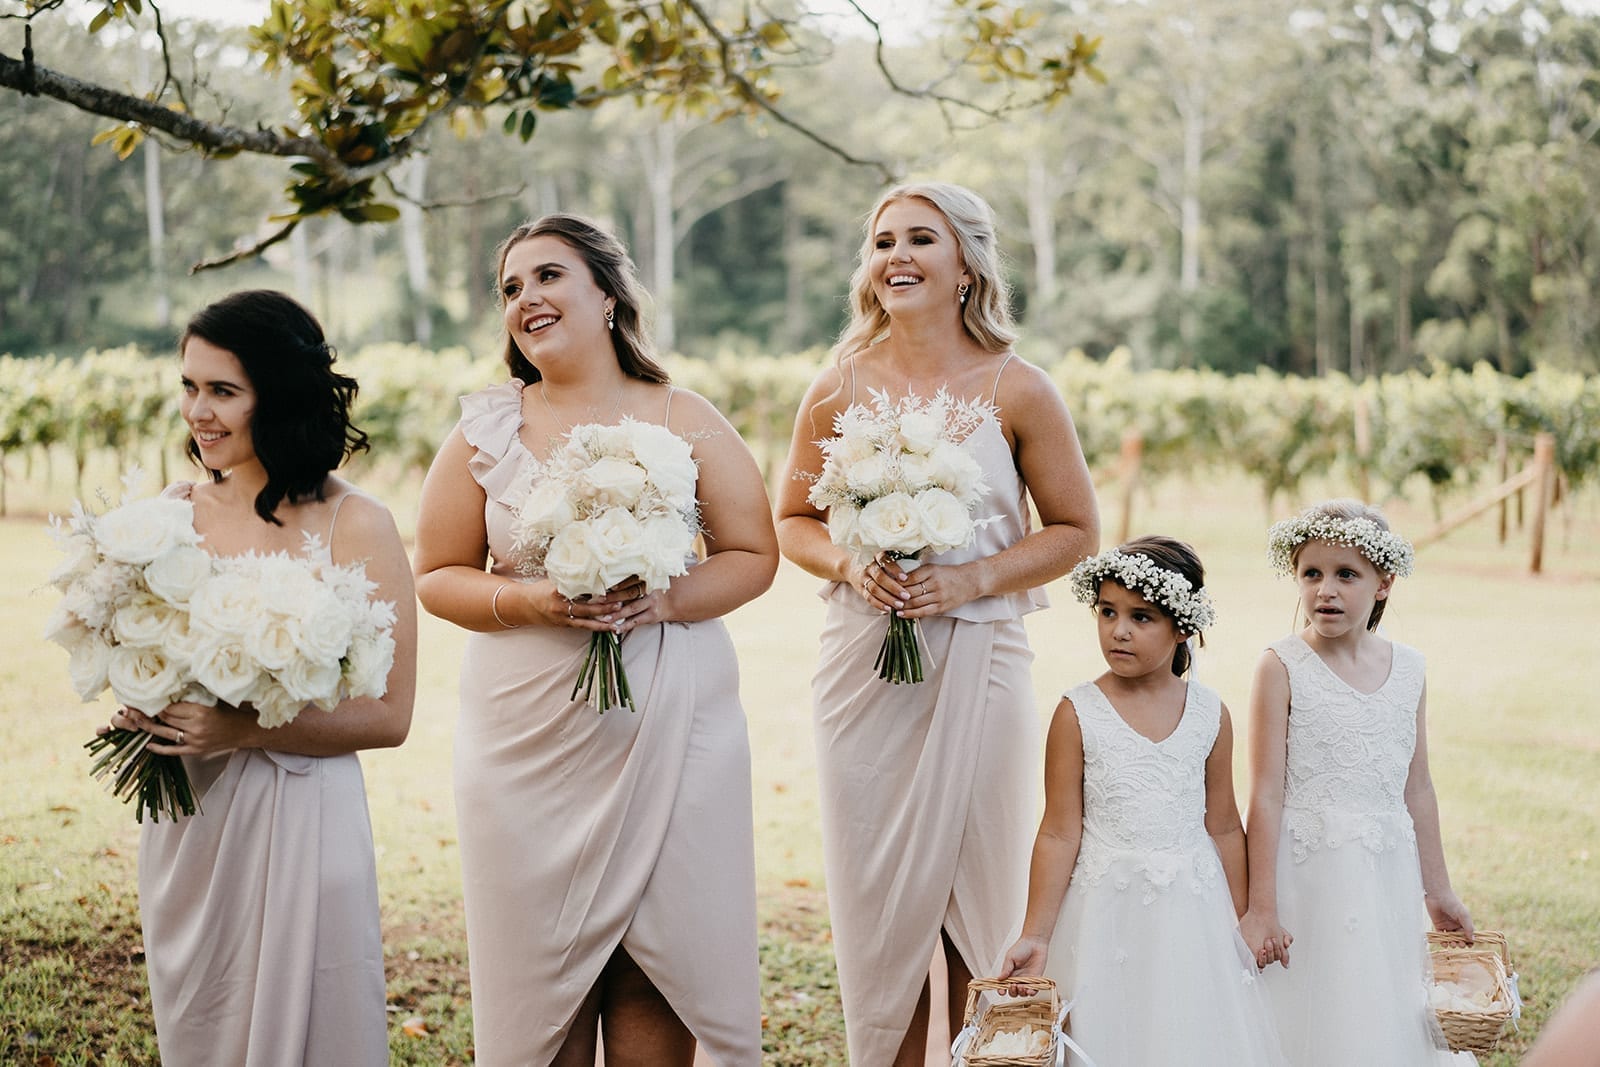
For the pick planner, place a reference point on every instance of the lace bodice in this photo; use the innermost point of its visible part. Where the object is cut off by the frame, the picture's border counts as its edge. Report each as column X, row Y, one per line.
column 1349, row 752
column 1144, row 802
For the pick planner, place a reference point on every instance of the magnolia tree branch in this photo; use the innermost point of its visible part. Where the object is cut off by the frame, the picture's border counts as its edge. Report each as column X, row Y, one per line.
column 212, row 137
column 250, row 251
column 755, row 96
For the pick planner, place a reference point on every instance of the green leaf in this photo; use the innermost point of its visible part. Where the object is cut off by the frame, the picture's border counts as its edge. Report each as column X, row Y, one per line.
column 529, row 120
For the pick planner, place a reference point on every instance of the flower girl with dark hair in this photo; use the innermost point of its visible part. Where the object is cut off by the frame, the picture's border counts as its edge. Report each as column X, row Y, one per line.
column 1138, row 870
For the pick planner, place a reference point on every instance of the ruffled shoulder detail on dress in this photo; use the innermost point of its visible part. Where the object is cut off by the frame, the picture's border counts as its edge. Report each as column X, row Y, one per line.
column 490, row 419
column 178, row 491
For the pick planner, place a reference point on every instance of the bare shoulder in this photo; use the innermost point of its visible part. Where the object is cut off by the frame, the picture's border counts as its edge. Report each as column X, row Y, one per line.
column 1026, row 387
column 363, row 519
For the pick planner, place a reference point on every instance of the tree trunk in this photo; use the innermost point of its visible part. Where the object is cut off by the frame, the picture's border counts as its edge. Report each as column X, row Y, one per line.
column 660, row 158
column 794, row 274
column 155, row 218
column 1194, row 132
column 1042, row 234
column 412, row 181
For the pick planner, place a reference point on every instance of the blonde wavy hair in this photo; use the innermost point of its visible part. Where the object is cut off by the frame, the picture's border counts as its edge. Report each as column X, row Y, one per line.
column 987, row 312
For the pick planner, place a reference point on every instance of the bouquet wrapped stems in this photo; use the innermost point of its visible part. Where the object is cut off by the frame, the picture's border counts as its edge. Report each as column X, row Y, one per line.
column 159, row 783
column 899, row 659
column 602, row 667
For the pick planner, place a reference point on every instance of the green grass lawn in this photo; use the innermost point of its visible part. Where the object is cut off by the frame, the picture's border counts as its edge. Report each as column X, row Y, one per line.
column 1515, row 744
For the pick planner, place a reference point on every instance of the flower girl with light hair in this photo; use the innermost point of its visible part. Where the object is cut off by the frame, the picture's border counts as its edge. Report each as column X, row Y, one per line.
column 1345, row 857
column 1138, row 870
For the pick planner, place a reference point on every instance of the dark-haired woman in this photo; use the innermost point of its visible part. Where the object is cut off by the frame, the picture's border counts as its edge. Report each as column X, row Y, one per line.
column 261, row 912
column 608, row 859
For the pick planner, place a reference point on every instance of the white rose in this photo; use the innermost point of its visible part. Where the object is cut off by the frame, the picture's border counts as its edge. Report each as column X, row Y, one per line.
column 891, row 524
column 275, row 706
column 142, row 530
column 143, row 621
column 955, row 469
column 143, row 678
column 917, row 472
column 868, row 477
column 227, row 603
column 223, row 666
column 368, row 665
column 944, row 519
column 283, row 584
column 919, row 431
column 311, row 682
column 668, row 460
column 177, row 573
column 843, row 526
column 88, row 667
column 324, row 628
column 618, row 542
column 183, row 642
column 668, row 543
column 273, row 640
column 545, row 509
column 614, row 482
column 571, row 564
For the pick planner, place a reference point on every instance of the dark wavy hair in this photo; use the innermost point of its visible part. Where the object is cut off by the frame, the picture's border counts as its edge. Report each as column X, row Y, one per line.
column 613, row 271
column 301, row 426
column 1172, row 554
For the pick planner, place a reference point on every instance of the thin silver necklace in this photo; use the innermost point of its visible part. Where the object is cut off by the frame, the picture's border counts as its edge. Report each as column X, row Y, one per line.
column 615, row 404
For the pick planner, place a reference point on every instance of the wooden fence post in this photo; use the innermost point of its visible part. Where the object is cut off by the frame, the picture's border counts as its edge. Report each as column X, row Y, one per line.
column 1503, row 461
column 1544, row 455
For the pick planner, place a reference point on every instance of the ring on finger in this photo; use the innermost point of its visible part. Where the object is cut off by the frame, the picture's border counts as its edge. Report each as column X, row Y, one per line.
column 180, row 737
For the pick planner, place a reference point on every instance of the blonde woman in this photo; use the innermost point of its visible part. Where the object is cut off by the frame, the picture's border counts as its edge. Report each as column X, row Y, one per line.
column 608, row 859
column 929, row 789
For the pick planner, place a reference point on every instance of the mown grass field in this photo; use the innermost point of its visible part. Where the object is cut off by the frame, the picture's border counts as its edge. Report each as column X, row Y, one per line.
column 1515, row 743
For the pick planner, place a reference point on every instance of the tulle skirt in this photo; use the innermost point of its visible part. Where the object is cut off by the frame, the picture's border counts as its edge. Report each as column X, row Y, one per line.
column 1356, row 990
column 1148, row 948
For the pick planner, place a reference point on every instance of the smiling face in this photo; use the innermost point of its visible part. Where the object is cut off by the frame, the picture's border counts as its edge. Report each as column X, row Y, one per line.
column 916, row 260
column 219, row 403
column 1136, row 637
column 1338, row 587
column 552, row 305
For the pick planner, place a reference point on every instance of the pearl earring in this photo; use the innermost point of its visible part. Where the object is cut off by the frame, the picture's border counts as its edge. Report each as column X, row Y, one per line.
column 611, row 317
column 961, row 292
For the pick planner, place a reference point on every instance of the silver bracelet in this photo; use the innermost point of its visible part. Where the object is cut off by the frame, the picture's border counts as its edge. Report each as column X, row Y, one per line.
column 494, row 606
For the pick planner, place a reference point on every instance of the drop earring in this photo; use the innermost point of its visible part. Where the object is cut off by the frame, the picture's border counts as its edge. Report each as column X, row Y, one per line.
column 611, row 316
column 961, row 292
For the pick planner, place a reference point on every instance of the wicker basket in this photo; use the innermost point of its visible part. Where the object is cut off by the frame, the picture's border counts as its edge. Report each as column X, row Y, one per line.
column 990, row 1010
column 1475, row 1031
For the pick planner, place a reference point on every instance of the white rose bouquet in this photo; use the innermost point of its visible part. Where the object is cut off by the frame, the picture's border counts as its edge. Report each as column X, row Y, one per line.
column 611, row 503
column 126, row 581
column 895, row 481
column 153, row 617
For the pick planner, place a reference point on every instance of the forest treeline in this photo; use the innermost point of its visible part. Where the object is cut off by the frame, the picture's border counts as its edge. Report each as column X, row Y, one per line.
column 1312, row 188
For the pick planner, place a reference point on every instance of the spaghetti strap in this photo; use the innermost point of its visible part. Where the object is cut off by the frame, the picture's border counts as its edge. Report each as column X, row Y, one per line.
column 334, row 518
column 851, row 364
column 994, row 390
column 666, row 416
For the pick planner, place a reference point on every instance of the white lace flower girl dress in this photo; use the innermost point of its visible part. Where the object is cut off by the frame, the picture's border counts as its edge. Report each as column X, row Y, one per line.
column 1147, row 943
column 1349, row 880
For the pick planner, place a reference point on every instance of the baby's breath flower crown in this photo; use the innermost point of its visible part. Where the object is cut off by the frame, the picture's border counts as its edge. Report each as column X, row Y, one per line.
column 1384, row 549
column 1191, row 609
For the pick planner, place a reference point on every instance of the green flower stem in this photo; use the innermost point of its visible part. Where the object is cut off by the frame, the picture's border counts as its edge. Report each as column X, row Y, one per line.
column 602, row 668
column 899, row 659
column 157, row 784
